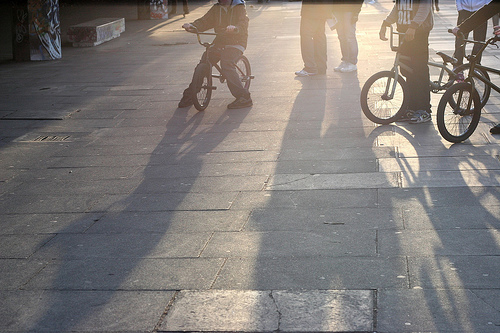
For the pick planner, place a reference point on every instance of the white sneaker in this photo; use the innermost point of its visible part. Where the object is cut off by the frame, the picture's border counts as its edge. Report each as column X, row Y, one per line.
column 339, row 67
column 349, row 68
column 303, row 72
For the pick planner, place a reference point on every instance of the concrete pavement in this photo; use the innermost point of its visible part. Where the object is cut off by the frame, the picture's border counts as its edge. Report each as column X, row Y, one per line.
column 121, row 213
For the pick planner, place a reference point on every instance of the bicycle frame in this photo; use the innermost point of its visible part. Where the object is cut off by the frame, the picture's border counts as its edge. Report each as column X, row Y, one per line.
column 435, row 86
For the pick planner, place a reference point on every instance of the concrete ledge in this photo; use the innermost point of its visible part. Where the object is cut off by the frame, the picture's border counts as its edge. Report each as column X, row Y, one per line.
column 95, row 32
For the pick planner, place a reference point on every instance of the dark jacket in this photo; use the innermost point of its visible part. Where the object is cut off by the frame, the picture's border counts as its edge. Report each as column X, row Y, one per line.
column 219, row 18
column 480, row 16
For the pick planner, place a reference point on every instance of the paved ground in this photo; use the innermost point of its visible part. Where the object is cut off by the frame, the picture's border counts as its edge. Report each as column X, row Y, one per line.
column 121, row 213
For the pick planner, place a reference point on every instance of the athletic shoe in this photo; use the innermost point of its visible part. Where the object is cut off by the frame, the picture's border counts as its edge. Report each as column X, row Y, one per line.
column 349, row 68
column 420, row 116
column 495, row 129
column 303, row 72
column 339, row 67
column 240, row 102
column 185, row 102
column 406, row 117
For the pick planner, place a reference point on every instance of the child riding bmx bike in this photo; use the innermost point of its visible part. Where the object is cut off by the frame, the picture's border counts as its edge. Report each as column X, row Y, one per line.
column 229, row 20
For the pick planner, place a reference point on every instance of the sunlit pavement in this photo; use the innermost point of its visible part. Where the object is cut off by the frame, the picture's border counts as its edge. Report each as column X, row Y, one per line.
column 121, row 213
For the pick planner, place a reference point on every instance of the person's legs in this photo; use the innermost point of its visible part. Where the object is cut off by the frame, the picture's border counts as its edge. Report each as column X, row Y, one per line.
column 229, row 57
column 479, row 34
column 418, row 79
column 459, row 49
column 346, row 32
column 313, row 44
column 186, row 95
column 185, row 7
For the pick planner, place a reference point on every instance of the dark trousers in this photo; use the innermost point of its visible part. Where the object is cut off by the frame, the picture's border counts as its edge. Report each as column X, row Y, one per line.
column 479, row 34
column 417, row 78
column 173, row 6
column 228, row 57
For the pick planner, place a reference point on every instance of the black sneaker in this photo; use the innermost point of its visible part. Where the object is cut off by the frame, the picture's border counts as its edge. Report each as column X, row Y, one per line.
column 240, row 102
column 185, row 102
column 495, row 129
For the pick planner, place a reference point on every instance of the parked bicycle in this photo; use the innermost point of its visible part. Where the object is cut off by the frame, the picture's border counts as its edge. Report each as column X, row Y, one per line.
column 203, row 74
column 459, row 109
column 384, row 96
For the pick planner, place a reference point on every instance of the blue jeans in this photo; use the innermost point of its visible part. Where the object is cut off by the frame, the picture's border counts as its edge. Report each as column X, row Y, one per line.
column 346, row 31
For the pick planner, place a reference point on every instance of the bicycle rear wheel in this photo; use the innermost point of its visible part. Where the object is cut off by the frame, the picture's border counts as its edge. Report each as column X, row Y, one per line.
column 244, row 71
column 376, row 103
column 458, row 112
column 202, row 93
column 482, row 88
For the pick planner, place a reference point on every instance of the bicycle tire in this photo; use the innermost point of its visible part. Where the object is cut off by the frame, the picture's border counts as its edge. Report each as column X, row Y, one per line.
column 374, row 103
column 456, row 119
column 202, row 92
column 482, row 88
column 244, row 71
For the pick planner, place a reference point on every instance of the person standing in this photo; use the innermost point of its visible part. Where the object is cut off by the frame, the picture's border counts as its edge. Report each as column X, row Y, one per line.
column 414, row 18
column 347, row 13
column 313, row 16
column 465, row 9
column 173, row 7
column 479, row 17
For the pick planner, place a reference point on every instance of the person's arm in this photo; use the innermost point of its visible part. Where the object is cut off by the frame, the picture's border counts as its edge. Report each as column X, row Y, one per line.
column 207, row 21
column 389, row 20
column 478, row 18
column 424, row 10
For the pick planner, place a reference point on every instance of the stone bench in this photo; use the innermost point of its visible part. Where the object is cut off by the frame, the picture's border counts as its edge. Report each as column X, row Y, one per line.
column 95, row 32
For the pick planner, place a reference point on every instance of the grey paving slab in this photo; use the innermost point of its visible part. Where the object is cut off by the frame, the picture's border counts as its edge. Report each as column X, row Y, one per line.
column 324, row 218
column 307, row 198
column 439, row 242
column 82, row 311
column 439, row 197
column 21, row 246
column 296, row 244
column 17, row 272
column 33, row 224
column 460, row 217
column 462, row 163
column 325, row 310
column 166, row 202
column 451, row 272
column 317, row 272
column 463, row 178
column 210, row 184
column 316, row 166
column 328, row 154
column 63, row 186
column 434, row 310
column 80, row 246
column 264, row 311
column 170, row 222
column 243, row 311
column 36, row 204
column 298, row 182
column 127, row 274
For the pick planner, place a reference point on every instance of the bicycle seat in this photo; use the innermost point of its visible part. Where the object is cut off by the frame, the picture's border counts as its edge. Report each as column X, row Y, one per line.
column 447, row 58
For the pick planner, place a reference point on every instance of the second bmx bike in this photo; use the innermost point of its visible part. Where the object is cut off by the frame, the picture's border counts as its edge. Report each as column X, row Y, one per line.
column 204, row 74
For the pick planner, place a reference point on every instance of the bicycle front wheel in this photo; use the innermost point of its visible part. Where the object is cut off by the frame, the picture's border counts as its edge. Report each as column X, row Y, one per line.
column 244, row 71
column 458, row 112
column 202, row 93
column 378, row 102
column 482, row 88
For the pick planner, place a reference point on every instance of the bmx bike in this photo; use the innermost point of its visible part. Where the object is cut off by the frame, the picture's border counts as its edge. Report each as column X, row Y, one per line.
column 459, row 109
column 384, row 96
column 203, row 74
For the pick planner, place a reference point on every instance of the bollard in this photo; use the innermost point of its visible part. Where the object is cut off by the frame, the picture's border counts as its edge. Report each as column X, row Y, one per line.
column 36, row 30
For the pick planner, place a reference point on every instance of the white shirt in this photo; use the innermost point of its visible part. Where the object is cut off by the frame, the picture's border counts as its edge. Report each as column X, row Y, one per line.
column 471, row 5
